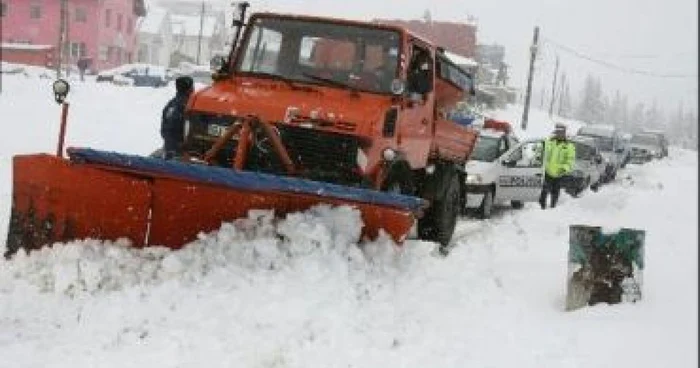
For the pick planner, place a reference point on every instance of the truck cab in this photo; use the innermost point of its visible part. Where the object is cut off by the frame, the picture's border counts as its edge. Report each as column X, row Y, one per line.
column 503, row 169
column 351, row 103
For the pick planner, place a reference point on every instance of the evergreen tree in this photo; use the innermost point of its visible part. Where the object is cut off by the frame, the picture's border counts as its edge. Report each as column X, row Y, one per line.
column 591, row 108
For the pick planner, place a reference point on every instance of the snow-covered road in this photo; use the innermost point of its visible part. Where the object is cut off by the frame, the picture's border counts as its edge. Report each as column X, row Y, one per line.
column 301, row 293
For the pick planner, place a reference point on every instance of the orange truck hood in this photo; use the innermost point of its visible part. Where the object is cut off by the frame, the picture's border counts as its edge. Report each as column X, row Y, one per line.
column 271, row 100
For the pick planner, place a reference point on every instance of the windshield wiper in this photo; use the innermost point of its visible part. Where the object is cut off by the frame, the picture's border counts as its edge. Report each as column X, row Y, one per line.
column 330, row 81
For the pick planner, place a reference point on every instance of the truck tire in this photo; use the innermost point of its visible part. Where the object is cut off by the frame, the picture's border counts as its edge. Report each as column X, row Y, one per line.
column 517, row 204
column 438, row 223
column 486, row 205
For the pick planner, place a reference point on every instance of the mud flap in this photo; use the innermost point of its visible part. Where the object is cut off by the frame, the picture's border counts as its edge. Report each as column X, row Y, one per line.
column 604, row 267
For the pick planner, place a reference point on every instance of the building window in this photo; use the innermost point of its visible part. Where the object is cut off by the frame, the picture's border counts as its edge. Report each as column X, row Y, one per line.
column 119, row 22
column 3, row 9
column 35, row 11
column 78, row 50
column 108, row 18
column 80, row 15
column 130, row 25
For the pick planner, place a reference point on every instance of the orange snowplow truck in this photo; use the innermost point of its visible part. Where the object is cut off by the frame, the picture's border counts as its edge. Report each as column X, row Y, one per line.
column 351, row 103
column 303, row 111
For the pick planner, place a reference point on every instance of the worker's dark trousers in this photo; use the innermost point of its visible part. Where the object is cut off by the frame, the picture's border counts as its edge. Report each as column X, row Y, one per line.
column 552, row 186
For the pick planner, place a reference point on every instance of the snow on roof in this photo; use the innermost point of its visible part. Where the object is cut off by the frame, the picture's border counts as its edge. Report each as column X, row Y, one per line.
column 24, row 46
column 153, row 21
column 189, row 25
column 460, row 60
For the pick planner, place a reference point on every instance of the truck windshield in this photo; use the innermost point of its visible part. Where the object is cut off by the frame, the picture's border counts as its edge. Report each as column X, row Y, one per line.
column 333, row 54
column 486, row 149
column 603, row 143
column 645, row 139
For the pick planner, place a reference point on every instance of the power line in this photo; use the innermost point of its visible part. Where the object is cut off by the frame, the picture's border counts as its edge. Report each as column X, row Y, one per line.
column 614, row 66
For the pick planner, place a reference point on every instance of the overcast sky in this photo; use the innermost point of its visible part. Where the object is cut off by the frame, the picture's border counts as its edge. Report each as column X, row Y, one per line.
column 660, row 36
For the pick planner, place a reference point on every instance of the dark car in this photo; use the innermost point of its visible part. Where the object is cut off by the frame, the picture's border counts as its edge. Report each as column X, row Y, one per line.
column 139, row 75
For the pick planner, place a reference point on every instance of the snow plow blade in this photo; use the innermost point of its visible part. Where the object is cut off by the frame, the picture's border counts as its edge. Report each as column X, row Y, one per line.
column 107, row 195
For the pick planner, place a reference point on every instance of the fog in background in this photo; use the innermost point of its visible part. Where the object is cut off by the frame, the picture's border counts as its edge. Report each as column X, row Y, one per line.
column 656, row 36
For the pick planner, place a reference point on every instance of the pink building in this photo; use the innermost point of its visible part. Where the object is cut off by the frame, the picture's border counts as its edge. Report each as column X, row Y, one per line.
column 102, row 30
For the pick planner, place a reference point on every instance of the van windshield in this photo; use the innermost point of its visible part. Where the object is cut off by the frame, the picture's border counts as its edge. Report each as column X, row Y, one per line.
column 645, row 139
column 603, row 143
column 333, row 54
column 486, row 149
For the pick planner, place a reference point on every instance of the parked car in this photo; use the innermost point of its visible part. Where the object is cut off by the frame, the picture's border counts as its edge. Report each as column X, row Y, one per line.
column 139, row 74
column 589, row 167
column 662, row 137
column 645, row 147
column 497, row 172
column 612, row 148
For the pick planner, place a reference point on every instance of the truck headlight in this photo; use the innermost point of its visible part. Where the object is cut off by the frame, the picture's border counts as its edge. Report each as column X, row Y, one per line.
column 389, row 154
column 474, row 179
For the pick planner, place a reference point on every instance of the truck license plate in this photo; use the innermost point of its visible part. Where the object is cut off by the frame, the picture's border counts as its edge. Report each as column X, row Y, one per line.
column 216, row 130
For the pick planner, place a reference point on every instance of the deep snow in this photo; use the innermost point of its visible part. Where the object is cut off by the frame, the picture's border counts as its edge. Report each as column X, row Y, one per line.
column 299, row 292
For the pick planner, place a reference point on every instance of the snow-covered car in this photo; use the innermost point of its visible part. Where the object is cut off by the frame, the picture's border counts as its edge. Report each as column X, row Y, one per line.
column 645, row 147
column 588, row 168
column 612, row 148
column 503, row 170
column 140, row 74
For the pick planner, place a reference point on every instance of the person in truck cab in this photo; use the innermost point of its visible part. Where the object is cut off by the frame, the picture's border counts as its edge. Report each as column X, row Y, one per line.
column 559, row 157
column 172, row 127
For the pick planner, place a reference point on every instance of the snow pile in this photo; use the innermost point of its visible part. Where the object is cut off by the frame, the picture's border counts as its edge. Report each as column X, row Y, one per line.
column 326, row 237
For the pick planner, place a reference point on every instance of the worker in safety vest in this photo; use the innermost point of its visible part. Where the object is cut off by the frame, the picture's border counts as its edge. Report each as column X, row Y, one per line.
column 559, row 158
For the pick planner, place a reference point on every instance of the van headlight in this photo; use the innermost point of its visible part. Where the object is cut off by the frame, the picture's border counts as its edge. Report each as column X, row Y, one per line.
column 474, row 179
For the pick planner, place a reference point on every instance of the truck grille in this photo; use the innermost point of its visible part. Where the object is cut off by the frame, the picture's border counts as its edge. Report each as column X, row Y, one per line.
column 323, row 155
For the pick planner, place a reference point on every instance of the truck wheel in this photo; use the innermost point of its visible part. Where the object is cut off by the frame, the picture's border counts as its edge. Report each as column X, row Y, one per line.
column 438, row 223
column 517, row 204
column 486, row 206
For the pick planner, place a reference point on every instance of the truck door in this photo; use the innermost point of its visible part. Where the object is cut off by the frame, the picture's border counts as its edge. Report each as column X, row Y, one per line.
column 522, row 176
column 417, row 112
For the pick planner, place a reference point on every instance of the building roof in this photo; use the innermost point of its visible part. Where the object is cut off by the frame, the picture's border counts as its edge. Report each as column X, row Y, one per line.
column 188, row 25
column 153, row 21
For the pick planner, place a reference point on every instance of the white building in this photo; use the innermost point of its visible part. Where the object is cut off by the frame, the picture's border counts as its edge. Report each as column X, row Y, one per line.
column 176, row 31
column 197, row 39
column 155, row 38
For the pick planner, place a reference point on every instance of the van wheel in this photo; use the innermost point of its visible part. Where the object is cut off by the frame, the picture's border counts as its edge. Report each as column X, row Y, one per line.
column 486, row 206
column 438, row 223
column 517, row 204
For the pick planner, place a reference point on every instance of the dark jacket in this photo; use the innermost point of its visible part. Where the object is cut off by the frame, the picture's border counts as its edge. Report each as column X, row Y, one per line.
column 172, row 127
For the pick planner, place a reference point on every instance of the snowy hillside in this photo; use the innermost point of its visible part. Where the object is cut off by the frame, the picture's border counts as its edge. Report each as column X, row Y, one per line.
column 300, row 292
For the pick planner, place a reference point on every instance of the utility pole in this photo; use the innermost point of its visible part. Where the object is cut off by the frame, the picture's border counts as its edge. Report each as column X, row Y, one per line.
column 533, row 54
column 61, row 37
column 201, row 26
column 554, row 86
column 561, row 92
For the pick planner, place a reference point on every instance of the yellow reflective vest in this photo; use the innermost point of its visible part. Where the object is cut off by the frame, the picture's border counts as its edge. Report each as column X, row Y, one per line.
column 559, row 157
